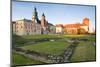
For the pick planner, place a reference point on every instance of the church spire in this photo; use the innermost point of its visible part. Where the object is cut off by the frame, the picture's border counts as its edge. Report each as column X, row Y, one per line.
column 35, row 12
column 35, row 8
column 35, row 15
column 43, row 15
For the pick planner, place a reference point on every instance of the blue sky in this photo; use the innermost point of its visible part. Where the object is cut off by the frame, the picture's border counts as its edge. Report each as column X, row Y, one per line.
column 55, row 13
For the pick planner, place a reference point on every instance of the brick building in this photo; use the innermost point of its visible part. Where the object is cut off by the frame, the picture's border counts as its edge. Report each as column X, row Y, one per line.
column 78, row 28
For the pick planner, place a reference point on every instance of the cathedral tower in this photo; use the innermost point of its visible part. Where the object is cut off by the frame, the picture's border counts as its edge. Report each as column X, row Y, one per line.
column 43, row 21
column 35, row 16
column 44, row 25
column 86, row 22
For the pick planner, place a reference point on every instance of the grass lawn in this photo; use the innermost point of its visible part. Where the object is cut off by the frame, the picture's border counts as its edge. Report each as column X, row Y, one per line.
column 54, row 48
column 39, row 36
column 85, row 51
column 89, row 37
column 18, row 59
column 18, row 41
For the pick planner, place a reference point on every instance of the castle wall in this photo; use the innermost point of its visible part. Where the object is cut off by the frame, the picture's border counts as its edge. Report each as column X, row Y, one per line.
column 24, row 27
column 20, row 27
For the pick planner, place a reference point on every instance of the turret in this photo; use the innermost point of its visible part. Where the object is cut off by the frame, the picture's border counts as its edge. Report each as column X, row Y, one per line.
column 86, row 21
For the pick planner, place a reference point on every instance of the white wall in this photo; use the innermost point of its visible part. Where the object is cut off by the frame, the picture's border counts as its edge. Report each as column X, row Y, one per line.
column 5, row 34
column 59, row 30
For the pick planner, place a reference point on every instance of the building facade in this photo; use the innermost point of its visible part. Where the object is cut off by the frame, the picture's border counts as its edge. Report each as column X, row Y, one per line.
column 77, row 28
column 59, row 29
column 31, row 27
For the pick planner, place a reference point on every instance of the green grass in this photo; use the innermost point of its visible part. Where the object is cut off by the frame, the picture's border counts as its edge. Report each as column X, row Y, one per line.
column 54, row 48
column 18, row 59
column 18, row 41
column 85, row 51
column 88, row 37
column 38, row 36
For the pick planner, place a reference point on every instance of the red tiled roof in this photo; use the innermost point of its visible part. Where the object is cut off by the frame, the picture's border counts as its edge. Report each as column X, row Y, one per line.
column 77, row 25
column 73, row 25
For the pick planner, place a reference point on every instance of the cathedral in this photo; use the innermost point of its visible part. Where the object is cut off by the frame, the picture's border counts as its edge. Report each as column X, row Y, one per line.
column 31, row 27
